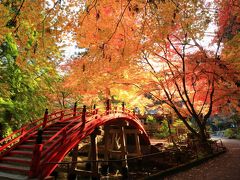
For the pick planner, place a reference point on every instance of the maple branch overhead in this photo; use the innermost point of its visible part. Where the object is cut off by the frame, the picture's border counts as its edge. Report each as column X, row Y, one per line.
column 211, row 102
column 205, row 100
column 88, row 9
column 13, row 20
column 178, row 53
column 118, row 22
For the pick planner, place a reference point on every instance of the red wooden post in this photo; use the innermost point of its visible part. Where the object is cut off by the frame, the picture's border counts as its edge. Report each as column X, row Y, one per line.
column 62, row 114
column 75, row 109
column 45, row 118
column 34, row 170
column 36, row 158
column 84, row 115
column 23, row 131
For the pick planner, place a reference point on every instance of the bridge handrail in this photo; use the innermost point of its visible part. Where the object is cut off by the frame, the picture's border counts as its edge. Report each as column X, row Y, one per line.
column 73, row 132
column 17, row 135
column 28, row 130
column 64, row 131
column 63, row 140
column 19, row 130
column 72, row 129
column 55, row 136
column 25, row 129
column 66, row 141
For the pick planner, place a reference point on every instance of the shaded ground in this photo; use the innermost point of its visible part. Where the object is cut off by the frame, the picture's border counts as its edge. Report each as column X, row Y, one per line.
column 224, row 167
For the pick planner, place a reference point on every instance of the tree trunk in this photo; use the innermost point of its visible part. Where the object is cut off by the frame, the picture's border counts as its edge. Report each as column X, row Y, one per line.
column 204, row 140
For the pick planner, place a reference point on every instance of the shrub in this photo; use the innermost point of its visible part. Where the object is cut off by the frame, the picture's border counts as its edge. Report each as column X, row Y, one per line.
column 238, row 133
column 229, row 133
column 163, row 131
column 151, row 119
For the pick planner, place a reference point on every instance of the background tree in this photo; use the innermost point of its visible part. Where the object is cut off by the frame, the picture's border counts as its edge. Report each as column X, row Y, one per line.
column 228, row 21
column 29, row 53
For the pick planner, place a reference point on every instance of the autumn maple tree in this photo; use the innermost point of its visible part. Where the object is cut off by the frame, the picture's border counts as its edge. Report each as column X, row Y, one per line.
column 228, row 19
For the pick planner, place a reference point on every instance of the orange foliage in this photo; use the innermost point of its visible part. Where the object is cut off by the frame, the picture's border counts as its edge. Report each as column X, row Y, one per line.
column 153, row 45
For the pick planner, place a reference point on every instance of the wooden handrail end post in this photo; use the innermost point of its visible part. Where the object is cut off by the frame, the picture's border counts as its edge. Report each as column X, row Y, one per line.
column 84, row 115
column 45, row 118
column 75, row 109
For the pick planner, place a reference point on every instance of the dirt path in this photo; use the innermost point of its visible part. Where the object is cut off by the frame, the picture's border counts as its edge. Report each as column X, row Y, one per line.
column 224, row 167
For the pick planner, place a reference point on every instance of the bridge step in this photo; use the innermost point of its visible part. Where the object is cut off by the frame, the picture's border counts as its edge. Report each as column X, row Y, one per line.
column 44, row 136
column 21, row 153
column 16, row 164
column 14, row 168
column 11, row 176
column 49, row 131
column 26, row 146
column 16, row 160
column 31, row 142
column 54, row 128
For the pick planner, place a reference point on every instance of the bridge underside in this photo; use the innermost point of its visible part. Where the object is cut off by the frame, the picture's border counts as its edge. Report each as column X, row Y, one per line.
column 120, row 140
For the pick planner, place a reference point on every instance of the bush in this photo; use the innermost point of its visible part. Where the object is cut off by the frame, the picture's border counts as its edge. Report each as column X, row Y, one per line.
column 238, row 136
column 229, row 133
column 238, row 133
column 163, row 131
column 151, row 119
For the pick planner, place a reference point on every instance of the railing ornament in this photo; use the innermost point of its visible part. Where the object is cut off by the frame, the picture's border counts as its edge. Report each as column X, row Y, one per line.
column 84, row 115
column 75, row 109
column 45, row 118
column 62, row 115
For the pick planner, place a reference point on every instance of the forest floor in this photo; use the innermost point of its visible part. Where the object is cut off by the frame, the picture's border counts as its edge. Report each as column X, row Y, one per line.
column 223, row 167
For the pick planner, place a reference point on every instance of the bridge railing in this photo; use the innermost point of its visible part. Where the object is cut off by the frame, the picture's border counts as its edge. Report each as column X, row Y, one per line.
column 45, row 151
column 65, row 140
column 30, row 129
column 66, row 136
column 27, row 130
column 19, row 135
column 60, row 137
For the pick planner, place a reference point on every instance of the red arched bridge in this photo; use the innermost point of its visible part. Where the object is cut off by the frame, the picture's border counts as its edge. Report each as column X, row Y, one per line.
column 28, row 152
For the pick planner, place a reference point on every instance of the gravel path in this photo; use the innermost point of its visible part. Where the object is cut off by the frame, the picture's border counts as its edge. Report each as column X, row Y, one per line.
column 223, row 167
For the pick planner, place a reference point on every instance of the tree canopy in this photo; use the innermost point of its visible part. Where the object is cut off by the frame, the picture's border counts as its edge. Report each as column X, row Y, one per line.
column 157, row 46
column 138, row 51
